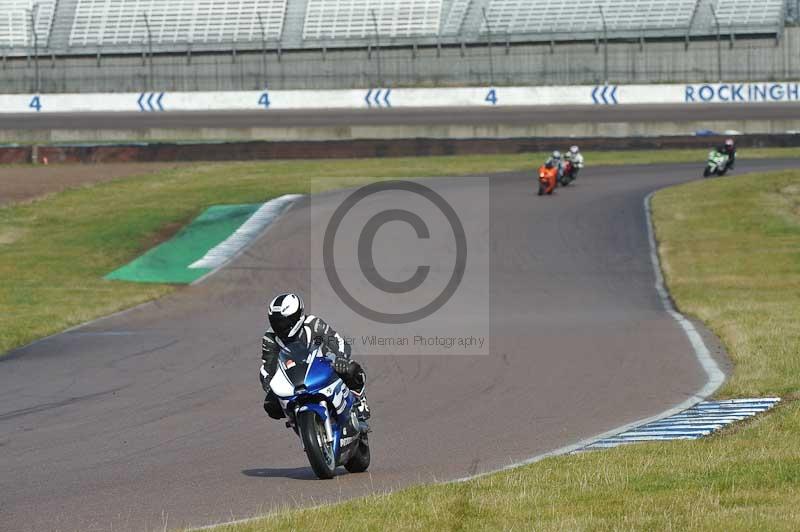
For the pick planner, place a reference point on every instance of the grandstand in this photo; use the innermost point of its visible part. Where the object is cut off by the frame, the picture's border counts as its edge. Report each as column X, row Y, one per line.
column 346, row 19
column 170, row 45
column 584, row 16
column 15, row 22
column 124, row 22
column 121, row 26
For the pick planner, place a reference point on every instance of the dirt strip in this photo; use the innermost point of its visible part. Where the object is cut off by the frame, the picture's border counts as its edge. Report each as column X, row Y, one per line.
column 21, row 183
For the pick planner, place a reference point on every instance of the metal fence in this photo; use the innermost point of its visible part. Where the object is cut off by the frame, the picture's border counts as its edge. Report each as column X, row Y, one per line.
column 489, row 63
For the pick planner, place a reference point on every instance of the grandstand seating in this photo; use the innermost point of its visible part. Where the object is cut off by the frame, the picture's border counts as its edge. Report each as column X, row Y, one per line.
column 15, row 26
column 455, row 17
column 749, row 13
column 347, row 19
column 550, row 16
column 96, row 25
column 113, row 22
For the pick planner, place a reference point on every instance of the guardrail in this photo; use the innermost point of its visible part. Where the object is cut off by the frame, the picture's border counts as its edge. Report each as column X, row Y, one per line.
column 386, row 97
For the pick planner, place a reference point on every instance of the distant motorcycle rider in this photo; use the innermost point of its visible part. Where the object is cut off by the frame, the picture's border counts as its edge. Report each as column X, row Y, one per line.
column 729, row 149
column 575, row 157
column 557, row 161
column 289, row 323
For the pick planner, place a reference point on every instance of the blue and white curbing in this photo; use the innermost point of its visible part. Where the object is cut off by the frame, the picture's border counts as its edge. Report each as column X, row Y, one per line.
column 232, row 246
column 690, row 424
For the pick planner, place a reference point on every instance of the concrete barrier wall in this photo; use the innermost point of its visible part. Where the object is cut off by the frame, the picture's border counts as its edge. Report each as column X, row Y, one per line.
column 390, row 132
column 379, row 97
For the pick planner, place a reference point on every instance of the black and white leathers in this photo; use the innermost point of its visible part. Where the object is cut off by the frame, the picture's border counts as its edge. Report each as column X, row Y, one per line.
column 314, row 329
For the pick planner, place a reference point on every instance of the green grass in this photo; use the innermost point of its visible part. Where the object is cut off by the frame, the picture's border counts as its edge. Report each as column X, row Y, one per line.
column 731, row 253
column 54, row 252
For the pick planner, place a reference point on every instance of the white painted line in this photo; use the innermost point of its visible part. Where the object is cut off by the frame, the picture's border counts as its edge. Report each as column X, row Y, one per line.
column 669, row 434
column 728, row 412
column 668, row 428
column 284, row 202
column 736, row 406
column 246, row 233
column 758, row 400
column 651, row 437
column 721, row 413
column 684, row 426
column 691, row 423
column 731, row 419
column 715, row 376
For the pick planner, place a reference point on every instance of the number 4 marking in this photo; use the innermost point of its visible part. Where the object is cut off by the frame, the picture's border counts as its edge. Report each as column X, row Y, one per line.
column 491, row 97
column 264, row 100
column 36, row 103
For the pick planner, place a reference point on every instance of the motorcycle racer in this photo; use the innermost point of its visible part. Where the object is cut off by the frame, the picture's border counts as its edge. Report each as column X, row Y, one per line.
column 729, row 149
column 574, row 156
column 557, row 162
column 289, row 323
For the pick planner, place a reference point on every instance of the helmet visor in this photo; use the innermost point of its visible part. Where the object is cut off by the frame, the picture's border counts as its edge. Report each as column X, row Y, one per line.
column 283, row 325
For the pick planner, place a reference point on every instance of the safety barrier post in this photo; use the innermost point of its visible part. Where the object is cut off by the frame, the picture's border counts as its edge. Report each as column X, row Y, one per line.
column 605, row 44
column 150, row 50
column 33, row 11
column 263, row 50
column 377, row 46
column 489, row 44
column 719, row 43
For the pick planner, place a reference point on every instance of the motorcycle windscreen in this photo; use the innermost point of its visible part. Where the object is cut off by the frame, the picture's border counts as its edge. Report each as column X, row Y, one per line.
column 294, row 359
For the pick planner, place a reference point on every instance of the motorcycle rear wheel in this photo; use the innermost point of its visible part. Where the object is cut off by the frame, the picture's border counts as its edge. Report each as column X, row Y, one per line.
column 360, row 461
column 319, row 452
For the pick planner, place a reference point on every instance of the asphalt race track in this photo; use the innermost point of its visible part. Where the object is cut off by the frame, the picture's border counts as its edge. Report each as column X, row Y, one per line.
column 153, row 418
column 403, row 116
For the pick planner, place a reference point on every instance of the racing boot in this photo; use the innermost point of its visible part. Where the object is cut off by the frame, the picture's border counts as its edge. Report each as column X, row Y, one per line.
column 360, row 405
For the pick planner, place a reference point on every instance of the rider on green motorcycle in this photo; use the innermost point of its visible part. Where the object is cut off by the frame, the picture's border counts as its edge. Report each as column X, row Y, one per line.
column 729, row 149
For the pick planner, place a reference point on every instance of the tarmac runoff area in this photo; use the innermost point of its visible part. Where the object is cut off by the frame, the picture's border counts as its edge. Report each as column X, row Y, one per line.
column 152, row 418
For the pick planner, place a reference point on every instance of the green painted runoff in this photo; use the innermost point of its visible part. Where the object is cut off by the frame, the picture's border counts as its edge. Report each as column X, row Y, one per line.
column 169, row 262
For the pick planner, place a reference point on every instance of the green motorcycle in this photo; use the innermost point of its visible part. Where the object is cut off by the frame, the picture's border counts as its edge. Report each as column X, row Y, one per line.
column 717, row 164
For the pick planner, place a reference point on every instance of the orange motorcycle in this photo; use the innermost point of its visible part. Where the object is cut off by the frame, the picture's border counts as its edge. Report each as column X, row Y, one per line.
column 548, row 174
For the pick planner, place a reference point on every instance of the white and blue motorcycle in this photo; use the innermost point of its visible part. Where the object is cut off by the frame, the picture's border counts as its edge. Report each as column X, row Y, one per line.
column 319, row 406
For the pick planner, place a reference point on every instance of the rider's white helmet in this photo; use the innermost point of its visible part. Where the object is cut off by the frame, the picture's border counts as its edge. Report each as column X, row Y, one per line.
column 556, row 154
column 286, row 315
column 573, row 150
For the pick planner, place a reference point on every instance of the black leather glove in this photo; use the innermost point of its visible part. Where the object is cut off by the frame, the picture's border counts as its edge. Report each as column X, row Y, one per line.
column 342, row 365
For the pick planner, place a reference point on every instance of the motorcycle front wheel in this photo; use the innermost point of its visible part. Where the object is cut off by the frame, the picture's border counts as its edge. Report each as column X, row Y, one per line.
column 318, row 450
